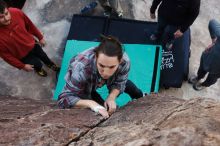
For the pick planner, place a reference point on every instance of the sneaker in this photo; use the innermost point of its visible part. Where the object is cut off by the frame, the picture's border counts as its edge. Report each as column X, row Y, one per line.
column 115, row 14
column 198, row 86
column 153, row 37
column 169, row 45
column 193, row 80
column 144, row 94
column 54, row 67
column 120, row 14
column 107, row 14
column 107, row 11
column 42, row 73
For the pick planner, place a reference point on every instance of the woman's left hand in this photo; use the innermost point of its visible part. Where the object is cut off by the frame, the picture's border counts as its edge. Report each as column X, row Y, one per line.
column 110, row 104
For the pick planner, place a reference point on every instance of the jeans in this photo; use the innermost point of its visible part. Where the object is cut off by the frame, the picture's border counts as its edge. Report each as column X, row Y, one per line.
column 214, row 29
column 131, row 89
column 35, row 56
column 114, row 4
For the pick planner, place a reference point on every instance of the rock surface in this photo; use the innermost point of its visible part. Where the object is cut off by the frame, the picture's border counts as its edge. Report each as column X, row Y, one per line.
column 29, row 122
column 159, row 121
column 153, row 120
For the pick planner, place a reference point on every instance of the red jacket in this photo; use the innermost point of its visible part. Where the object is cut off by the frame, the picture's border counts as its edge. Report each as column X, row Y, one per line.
column 17, row 38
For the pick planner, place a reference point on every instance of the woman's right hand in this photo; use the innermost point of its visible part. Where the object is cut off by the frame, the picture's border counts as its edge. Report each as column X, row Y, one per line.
column 99, row 109
column 104, row 113
column 94, row 106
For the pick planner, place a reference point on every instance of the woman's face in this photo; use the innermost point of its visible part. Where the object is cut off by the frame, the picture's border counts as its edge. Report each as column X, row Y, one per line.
column 107, row 65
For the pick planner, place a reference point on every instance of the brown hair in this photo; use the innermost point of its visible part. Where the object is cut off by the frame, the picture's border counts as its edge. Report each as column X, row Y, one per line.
column 3, row 6
column 110, row 46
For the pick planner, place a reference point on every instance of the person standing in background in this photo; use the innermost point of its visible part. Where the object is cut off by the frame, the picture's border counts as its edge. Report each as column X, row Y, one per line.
column 176, row 16
column 106, row 64
column 21, row 42
column 209, row 62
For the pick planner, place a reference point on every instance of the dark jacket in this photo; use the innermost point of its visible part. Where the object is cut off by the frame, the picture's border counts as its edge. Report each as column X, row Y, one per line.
column 17, row 38
column 181, row 13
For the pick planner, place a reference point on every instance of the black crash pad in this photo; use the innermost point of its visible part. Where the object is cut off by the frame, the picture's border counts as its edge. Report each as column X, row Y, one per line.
column 174, row 67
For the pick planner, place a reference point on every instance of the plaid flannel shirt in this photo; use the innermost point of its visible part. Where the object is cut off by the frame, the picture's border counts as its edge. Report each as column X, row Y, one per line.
column 82, row 78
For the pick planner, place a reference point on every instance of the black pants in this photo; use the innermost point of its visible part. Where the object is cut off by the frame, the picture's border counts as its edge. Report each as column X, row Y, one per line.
column 35, row 56
column 15, row 3
column 163, row 25
column 131, row 89
column 211, row 78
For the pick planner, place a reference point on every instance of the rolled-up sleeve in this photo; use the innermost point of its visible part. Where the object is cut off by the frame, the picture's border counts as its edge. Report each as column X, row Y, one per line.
column 74, row 87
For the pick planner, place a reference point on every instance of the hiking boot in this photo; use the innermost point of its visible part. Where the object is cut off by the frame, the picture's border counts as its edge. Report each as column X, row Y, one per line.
column 42, row 72
column 107, row 14
column 153, row 37
column 107, row 11
column 193, row 80
column 54, row 67
column 115, row 14
column 198, row 86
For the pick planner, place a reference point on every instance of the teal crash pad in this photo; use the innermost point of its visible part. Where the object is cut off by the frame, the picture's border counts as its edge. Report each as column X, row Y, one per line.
column 145, row 67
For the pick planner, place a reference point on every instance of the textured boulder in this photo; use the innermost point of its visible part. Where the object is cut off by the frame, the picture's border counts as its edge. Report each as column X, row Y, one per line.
column 30, row 122
column 153, row 120
column 159, row 121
